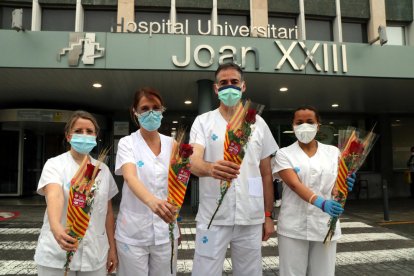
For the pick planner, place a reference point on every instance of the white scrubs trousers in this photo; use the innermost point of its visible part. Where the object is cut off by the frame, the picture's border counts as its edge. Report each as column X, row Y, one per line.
column 50, row 271
column 302, row 257
column 151, row 260
column 245, row 244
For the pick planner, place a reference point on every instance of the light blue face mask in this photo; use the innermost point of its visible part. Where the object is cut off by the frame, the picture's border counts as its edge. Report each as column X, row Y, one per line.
column 150, row 120
column 229, row 95
column 83, row 143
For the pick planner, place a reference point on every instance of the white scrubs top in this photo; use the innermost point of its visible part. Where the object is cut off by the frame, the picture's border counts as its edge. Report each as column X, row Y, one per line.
column 136, row 224
column 297, row 218
column 243, row 204
column 93, row 249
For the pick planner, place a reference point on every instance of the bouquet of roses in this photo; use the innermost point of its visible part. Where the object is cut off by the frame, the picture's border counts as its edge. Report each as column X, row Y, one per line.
column 81, row 197
column 239, row 130
column 178, row 176
column 355, row 146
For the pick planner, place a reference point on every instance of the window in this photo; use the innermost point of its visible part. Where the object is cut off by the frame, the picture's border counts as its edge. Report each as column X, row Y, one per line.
column 354, row 32
column 159, row 22
column 6, row 17
column 396, row 35
column 58, row 20
column 229, row 25
column 319, row 30
column 99, row 20
column 282, row 27
column 197, row 23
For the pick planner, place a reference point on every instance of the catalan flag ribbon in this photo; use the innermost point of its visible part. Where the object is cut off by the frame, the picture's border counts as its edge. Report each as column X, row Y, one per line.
column 178, row 176
column 81, row 196
column 238, row 132
column 341, row 184
column 355, row 145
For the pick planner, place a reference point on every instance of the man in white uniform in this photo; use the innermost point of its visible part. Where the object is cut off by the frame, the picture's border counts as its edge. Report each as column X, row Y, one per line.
column 241, row 220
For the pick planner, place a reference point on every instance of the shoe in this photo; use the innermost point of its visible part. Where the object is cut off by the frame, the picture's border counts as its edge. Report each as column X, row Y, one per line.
column 278, row 203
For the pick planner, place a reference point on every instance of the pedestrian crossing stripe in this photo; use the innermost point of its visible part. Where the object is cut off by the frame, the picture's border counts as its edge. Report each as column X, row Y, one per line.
column 270, row 263
column 184, row 230
column 272, row 242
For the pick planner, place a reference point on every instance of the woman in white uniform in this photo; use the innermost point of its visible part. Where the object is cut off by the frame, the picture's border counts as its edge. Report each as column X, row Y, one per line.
column 309, row 170
column 96, row 254
column 143, row 160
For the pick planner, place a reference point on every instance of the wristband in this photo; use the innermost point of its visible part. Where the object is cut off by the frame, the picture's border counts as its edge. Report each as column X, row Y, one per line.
column 269, row 215
column 323, row 205
column 310, row 199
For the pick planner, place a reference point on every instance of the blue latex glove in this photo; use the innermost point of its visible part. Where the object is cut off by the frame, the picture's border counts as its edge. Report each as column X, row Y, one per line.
column 331, row 207
column 350, row 180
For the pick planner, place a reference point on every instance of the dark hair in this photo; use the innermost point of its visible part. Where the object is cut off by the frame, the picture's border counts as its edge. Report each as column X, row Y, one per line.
column 308, row 107
column 84, row 115
column 412, row 148
column 147, row 92
column 229, row 65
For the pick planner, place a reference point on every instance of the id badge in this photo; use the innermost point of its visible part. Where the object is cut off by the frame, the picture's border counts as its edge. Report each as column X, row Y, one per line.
column 206, row 242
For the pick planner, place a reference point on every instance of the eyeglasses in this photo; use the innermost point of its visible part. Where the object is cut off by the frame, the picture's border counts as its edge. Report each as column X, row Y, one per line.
column 145, row 111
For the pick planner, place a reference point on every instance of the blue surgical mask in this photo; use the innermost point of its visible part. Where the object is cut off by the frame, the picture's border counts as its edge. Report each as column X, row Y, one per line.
column 83, row 143
column 150, row 120
column 229, row 95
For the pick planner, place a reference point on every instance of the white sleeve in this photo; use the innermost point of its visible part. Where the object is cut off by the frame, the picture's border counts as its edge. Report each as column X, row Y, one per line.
column 197, row 134
column 282, row 162
column 269, row 143
column 124, row 154
column 50, row 174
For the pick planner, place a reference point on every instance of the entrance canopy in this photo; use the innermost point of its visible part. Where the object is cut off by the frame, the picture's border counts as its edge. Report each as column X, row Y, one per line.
column 57, row 70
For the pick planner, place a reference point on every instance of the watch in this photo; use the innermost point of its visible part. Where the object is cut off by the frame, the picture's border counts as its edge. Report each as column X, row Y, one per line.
column 269, row 215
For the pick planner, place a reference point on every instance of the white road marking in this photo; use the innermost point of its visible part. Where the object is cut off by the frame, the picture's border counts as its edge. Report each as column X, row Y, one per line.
column 367, row 237
column 18, row 245
column 15, row 231
column 354, row 224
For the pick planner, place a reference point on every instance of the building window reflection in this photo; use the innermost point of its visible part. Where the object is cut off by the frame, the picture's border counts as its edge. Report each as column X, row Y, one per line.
column 354, row 32
column 282, row 27
column 99, row 20
column 396, row 35
column 317, row 29
column 58, row 20
column 229, row 25
column 196, row 22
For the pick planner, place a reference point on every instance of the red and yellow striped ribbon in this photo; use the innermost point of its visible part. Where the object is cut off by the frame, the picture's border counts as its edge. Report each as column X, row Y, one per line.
column 77, row 219
column 341, row 184
column 176, row 189
column 230, row 157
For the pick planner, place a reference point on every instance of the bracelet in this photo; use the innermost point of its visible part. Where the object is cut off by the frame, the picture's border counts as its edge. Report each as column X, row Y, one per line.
column 323, row 205
column 311, row 198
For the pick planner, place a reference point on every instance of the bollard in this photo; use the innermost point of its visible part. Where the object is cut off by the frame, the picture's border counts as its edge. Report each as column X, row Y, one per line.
column 385, row 198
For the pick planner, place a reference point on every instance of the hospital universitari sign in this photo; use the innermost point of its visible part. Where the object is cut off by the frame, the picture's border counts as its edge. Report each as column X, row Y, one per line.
column 333, row 56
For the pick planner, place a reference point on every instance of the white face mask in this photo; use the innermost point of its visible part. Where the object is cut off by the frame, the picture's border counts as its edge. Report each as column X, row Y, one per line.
column 305, row 132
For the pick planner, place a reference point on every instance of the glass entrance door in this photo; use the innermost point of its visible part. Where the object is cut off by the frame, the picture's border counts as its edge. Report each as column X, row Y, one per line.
column 41, row 142
column 9, row 162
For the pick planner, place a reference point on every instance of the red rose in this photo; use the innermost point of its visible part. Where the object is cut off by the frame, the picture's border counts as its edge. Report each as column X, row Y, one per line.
column 89, row 171
column 356, row 147
column 250, row 116
column 185, row 150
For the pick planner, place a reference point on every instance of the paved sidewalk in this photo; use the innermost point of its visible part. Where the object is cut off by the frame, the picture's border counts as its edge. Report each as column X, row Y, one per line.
column 369, row 245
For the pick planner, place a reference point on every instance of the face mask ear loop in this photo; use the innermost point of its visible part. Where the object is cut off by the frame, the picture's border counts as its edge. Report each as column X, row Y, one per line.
column 134, row 117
